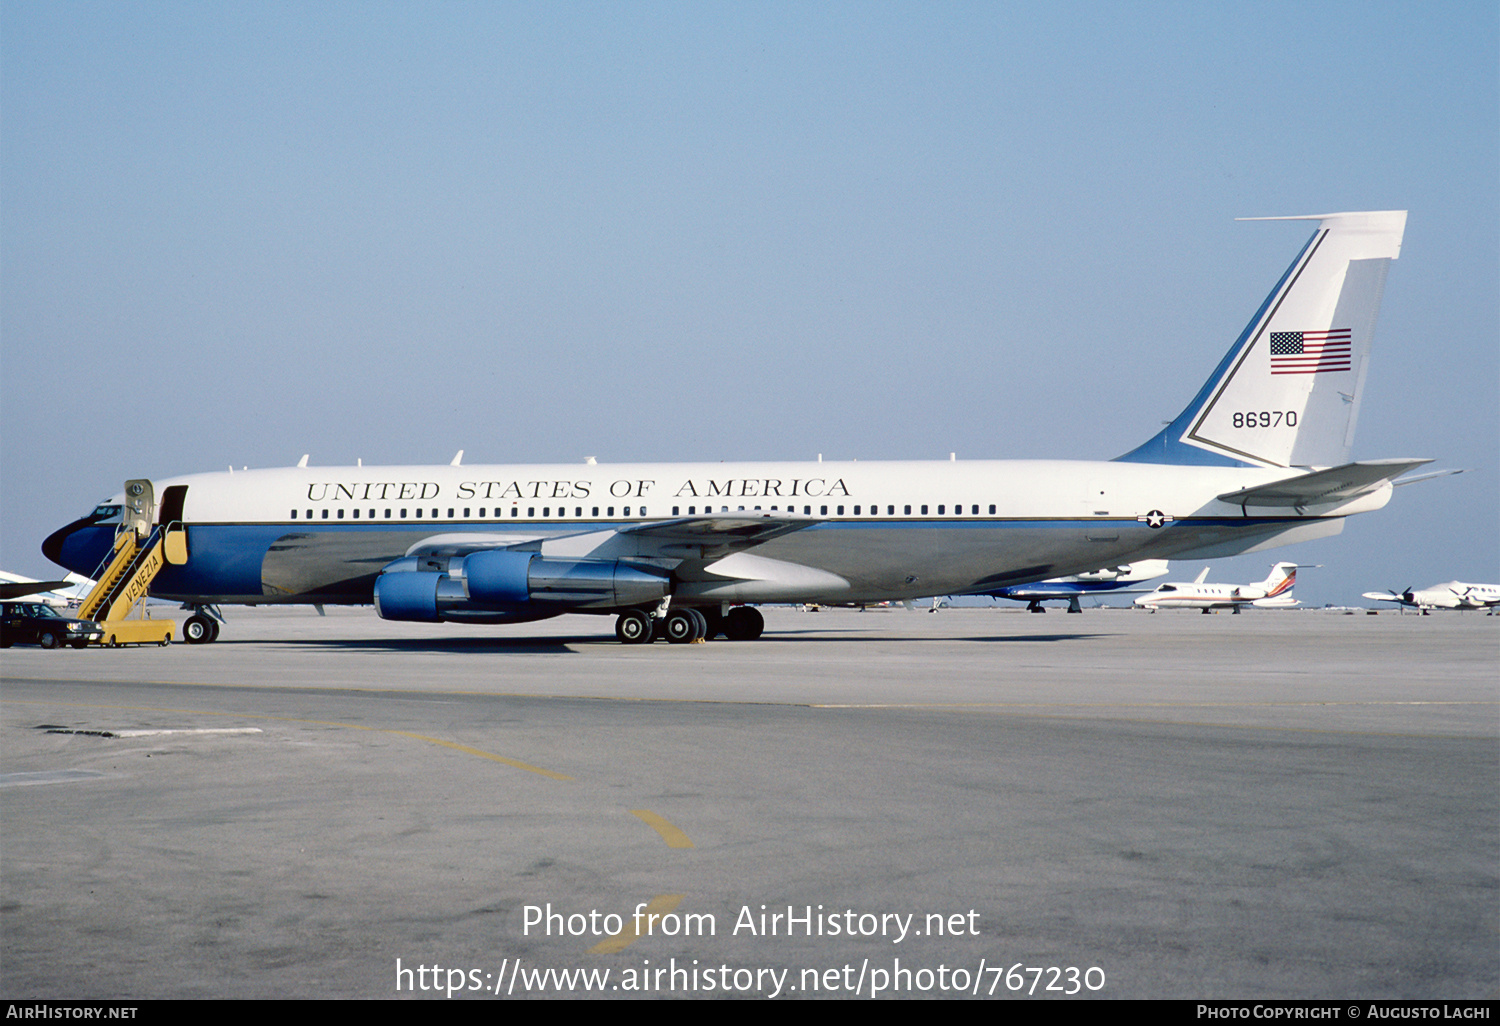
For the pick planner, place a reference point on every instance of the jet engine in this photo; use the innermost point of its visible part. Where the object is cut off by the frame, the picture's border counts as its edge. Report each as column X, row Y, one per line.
column 501, row 585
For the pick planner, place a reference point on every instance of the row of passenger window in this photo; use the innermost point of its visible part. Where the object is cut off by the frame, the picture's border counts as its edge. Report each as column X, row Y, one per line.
column 609, row 511
column 436, row 514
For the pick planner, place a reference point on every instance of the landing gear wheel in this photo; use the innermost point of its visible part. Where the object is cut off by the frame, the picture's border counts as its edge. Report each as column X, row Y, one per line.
column 743, row 623
column 702, row 620
column 683, row 626
column 715, row 625
column 47, row 639
column 633, row 628
column 199, row 630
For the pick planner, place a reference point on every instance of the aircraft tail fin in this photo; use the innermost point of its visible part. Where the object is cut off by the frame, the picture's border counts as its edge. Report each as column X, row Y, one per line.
column 1287, row 393
column 1278, row 588
column 1282, row 580
column 1201, row 577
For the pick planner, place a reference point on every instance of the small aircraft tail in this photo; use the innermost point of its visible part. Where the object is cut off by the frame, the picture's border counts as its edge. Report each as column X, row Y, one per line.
column 1278, row 588
column 1281, row 582
column 1287, row 393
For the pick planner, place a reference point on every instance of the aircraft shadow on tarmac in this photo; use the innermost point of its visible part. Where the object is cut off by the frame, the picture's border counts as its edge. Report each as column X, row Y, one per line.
column 812, row 635
column 472, row 646
column 521, row 645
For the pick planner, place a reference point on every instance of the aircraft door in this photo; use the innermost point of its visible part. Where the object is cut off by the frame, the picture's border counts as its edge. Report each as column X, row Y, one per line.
column 140, row 506
column 171, row 505
column 170, row 518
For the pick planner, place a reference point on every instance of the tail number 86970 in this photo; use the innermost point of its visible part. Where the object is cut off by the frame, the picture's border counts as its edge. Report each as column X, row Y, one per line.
column 1265, row 419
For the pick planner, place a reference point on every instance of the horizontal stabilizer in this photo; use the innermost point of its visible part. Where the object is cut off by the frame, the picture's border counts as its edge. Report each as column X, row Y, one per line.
column 1431, row 475
column 1322, row 487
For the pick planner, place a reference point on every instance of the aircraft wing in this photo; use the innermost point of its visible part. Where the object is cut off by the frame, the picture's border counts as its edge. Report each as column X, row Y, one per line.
column 460, row 543
column 483, row 575
column 1321, row 487
column 20, row 589
column 716, row 534
column 701, row 538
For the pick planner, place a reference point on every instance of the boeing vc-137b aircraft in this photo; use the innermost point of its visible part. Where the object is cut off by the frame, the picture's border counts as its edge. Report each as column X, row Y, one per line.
column 1259, row 458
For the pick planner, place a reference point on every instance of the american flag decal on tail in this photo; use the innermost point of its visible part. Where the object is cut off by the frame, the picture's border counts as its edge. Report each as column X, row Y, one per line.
column 1311, row 352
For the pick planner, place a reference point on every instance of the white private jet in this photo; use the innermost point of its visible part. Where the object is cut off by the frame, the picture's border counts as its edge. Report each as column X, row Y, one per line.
column 1274, row 592
column 1259, row 458
column 1110, row 580
column 1453, row 595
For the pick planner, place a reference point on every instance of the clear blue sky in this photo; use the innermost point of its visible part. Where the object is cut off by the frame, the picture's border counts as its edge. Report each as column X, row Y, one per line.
column 235, row 233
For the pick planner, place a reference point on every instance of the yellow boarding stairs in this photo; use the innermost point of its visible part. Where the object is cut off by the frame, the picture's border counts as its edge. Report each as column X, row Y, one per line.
column 141, row 550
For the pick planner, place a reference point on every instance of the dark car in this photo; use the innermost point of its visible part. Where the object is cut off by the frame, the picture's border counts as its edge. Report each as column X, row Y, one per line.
column 36, row 623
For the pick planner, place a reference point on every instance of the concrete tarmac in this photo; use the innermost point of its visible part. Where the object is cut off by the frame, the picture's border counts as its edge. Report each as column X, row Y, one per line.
column 1121, row 804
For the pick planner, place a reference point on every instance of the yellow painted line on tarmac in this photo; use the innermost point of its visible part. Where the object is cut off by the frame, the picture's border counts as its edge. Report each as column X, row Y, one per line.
column 638, row 926
column 483, row 755
column 514, row 763
column 674, row 837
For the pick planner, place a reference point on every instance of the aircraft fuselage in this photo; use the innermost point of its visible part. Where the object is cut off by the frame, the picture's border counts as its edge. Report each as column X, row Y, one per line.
column 877, row 530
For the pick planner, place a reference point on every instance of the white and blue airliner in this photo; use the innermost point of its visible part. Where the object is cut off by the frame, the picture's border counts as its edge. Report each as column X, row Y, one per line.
column 1261, row 457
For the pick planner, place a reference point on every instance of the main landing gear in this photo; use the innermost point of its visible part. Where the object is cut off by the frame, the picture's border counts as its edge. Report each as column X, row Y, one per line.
column 201, row 628
column 685, row 625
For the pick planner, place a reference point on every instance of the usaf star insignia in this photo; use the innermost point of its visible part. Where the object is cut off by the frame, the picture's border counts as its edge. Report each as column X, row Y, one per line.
column 1156, row 518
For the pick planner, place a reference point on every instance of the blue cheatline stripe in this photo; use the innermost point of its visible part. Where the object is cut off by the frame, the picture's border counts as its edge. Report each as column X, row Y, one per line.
column 848, row 523
column 282, row 528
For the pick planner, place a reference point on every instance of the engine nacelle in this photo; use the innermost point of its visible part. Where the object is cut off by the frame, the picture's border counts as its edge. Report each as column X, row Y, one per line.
column 501, row 585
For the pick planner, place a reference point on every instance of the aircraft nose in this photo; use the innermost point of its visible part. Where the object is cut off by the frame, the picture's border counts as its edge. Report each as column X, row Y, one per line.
column 52, row 547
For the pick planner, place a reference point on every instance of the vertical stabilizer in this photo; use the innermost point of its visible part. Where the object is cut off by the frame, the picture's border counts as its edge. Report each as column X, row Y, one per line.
column 1287, row 393
column 1282, row 580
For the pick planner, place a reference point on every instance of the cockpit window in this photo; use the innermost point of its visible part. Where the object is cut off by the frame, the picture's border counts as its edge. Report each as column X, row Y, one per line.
column 105, row 512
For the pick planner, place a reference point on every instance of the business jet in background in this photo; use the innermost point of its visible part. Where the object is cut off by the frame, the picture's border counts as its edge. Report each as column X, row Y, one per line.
column 1275, row 592
column 1453, row 595
column 1259, row 458
column 1096, row 584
